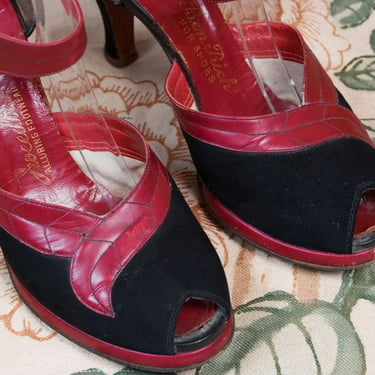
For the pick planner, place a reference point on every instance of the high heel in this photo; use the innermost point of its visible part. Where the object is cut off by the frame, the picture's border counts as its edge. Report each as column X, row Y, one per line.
column 261, row 167
column 119, row 32
column 129, row 275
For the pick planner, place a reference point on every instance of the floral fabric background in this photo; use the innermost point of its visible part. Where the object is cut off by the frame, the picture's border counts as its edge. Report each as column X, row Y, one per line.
column 289, row 320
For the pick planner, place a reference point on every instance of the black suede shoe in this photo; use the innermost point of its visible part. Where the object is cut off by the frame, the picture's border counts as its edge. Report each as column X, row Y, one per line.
column 299, row 182
column 129, row 275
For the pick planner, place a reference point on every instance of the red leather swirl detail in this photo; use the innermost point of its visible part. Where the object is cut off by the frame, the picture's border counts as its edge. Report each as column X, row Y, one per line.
column 100, row 245
column 107, row 249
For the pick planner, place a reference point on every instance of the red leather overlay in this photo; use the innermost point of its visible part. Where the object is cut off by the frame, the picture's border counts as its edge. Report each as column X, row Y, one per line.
column 21, row 58
column 112, row 242
column 110, row 245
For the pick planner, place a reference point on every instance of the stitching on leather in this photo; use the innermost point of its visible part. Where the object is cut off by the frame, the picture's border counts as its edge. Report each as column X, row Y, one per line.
column 14, row 233
column 49, row 226
column 323, row 120
column 154, row 194
column 289, row 149
column 204, row 115
column 335, row 128
column 46, row 239
column 47, row 205
column 299, row 144
column 27, row 243
column 320, row 88
column 285, row 121
column 121, row 265
column 14, row 230
column 93, row 293
column 249, row 121
column 324, row 114
column 269, row 53
column 103, row 311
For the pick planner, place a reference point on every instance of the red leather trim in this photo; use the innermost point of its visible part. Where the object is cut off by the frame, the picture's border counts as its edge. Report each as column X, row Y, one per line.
column 176, row 362
column 284, row 131
column 38, row 225
column 283, row 249
column 21, row 58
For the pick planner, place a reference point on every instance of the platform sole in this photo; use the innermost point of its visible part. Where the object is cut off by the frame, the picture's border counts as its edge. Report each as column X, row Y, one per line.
column 134, row 359
column 298, row 255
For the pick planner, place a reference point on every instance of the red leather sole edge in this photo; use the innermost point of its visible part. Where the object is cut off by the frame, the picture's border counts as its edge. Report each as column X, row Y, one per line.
column 296, row 254
column 139, row 360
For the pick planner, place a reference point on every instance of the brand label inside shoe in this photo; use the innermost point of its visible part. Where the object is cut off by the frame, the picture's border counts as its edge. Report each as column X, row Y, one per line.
column 211, row 56
column 37, row 163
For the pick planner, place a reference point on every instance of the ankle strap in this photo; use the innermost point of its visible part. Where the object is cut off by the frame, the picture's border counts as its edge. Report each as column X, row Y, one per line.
column 21, row 58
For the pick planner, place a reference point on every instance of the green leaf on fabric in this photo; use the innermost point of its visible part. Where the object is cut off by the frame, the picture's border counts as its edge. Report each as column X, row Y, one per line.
column 372, row 40
column 351, row 13
column 264, row 330
column 359, row 74
column 364, row 283
column 356, row 285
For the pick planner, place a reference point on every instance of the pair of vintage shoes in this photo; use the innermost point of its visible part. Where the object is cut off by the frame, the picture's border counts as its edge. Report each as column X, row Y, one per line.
column 130, row 274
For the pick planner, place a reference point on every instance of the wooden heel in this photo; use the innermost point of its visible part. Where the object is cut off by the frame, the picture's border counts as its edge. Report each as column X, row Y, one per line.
column 119, row 33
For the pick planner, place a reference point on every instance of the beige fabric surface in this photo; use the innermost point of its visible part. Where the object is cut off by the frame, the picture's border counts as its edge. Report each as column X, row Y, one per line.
column 289, row 320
